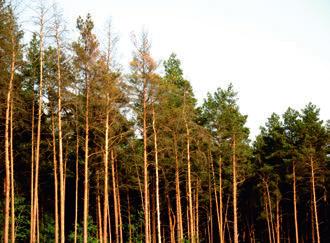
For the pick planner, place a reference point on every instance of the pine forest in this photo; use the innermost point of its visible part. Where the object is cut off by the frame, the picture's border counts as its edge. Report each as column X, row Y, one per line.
column 94, row 151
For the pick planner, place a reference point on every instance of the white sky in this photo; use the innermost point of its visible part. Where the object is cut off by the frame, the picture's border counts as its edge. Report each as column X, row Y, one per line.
column 276, row 53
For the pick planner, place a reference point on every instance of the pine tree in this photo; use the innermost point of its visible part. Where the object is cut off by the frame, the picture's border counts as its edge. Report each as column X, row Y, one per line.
column 86, row 55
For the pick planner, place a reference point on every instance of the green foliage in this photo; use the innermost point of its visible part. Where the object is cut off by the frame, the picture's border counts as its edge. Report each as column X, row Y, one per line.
column 91, row 229
column 47, row 228
column 221, row 116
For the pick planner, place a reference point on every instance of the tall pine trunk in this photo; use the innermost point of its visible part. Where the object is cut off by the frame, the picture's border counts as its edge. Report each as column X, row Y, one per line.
column 86, row 182
column 60, row 155
column 235, row 191
column 145, row 166
column 178, row 192
column 197, row 211
column 77, row 182
column 32, row 172
column 106, row 180
column 7, row 140
column 35, row 210
column 314, row 201
column 99, row 212
column 115, row 198
column 222, row 235
column 312, row 214
column 278, row 227
column 121, row 239
column 270, row 212
column 157, row 174
column 210, row 216
column 56, row 231
column 12, row 184
column 295, row 201
column 215, row 195
column 189, row 192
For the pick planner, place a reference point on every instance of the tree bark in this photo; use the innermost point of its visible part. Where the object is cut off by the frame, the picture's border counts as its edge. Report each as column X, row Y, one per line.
column 37, row 154
column 115, row 202
column 190, row 203
column 314, row 201
column 215, row 197
column 99, row 213
column 32, row 174
column 119, row 210
column 178, row 192
column 295, row 201
column 312, row 214
column 157, row 175
column 197, row 211
column 106, row 180
column 235, row 191
column 60, row 155
column 222, row 235
column 145, row 166
column 268, row 218
column 7, row 141
column 270, row 212
column 210, row 219
column 12, row 184
column 77, row 183
column 86, row 182
column 55, row 178
column 278, row 227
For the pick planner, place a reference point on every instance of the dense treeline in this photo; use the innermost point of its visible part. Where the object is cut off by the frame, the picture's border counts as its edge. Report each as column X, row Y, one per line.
column 92, row 154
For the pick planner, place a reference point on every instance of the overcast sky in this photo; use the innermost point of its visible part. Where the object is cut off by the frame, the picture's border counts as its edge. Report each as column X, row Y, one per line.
column 276, row 53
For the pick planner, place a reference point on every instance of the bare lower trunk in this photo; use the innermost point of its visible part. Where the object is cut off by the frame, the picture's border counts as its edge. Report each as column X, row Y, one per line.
column 197, row 212
column 226, row 219
column 295, row 202
column 215, row 197
column 312, row 215
column 153, row 217
column 55, row 180
column 222, row 235
column 171, row 219
column 190, row 203
column 178, row 193
column 145, row 167
column 77, row 184
column 60, row 155
column 210, row 220
column 278, row 239
column 65, row 170
column 86, row 182
column 12, row 186
column 235, row 191
column 188, row 220
column 157, row 176
column 268, row 219
column 32, row 175
column 121, row 239
column 140, row 187
column 115, row 202
column 37, row 223
column 315, row 202
column 106, row 180
column 270, row 212
column 37, row 154
column 7, row 144
column 99, row 213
